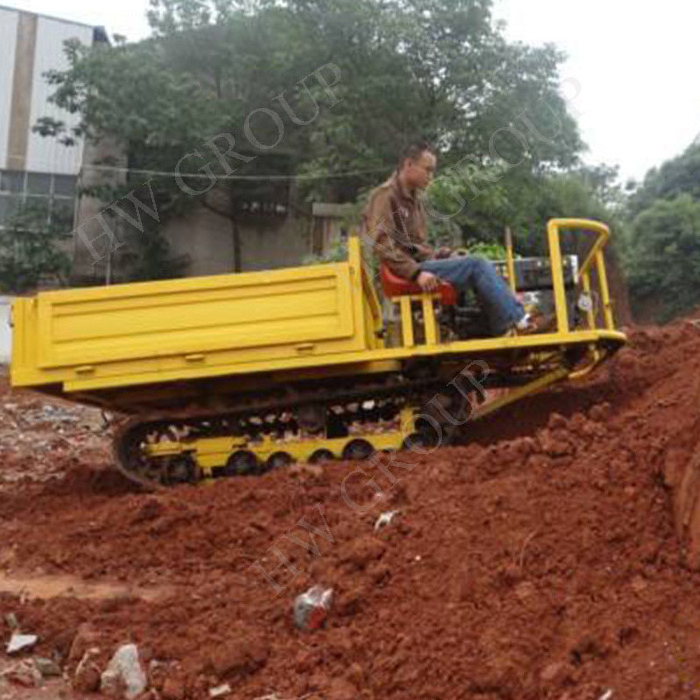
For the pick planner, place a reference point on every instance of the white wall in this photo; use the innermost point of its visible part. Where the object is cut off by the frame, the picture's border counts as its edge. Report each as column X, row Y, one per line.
column 47, row 155
column 5, row 330
column 8, row 43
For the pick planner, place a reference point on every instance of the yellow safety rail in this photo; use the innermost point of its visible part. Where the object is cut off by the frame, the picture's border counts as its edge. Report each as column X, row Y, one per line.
column 602, row 232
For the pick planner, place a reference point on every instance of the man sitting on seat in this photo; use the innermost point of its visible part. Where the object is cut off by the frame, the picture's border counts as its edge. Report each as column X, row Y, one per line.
column 395, row 219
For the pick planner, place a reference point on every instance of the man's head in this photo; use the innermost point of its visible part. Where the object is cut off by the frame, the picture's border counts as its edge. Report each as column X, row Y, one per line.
column 417, row 166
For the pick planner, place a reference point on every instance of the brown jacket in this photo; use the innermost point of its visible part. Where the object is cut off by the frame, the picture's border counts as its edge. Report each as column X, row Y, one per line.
column 395, row 219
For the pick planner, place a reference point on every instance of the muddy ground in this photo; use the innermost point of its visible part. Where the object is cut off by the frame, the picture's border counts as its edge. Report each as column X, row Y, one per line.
column 547, row 558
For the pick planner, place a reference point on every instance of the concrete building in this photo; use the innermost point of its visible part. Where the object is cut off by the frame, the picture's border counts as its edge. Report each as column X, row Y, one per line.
column 34, row 169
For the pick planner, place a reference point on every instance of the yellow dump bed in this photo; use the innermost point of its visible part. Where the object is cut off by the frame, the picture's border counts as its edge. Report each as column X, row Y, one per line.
column 178, row 329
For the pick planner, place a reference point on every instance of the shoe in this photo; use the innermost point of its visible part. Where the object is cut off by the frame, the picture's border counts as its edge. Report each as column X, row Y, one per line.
column 531, row 324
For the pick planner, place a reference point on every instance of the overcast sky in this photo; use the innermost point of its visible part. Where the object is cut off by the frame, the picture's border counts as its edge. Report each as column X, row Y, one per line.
column 635, row 62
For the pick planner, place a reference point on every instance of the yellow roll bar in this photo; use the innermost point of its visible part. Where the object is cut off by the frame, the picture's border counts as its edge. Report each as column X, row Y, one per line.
column 602, row 233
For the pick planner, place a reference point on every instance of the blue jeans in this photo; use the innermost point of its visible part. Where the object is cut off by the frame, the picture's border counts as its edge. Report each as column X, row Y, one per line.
column 502, row 309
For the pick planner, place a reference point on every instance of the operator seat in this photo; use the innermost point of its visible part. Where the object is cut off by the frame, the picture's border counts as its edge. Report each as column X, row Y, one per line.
column 395, row 286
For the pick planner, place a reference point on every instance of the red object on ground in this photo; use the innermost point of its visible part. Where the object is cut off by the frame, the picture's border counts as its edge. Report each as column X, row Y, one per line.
column 395, row 286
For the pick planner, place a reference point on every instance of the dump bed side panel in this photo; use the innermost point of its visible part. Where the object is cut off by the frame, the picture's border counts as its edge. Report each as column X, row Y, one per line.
column 137, row 328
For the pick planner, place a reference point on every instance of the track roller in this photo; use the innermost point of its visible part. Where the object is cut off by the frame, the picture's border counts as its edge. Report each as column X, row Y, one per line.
column 278, row 460
column 358, row 449
column 242, row 463
column 321, row 456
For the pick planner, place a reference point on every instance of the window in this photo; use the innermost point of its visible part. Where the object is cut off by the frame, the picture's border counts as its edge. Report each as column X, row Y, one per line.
column 11, row 181
column 64, row 185
column 38, row 183
column 9, row 206
column 52, row 195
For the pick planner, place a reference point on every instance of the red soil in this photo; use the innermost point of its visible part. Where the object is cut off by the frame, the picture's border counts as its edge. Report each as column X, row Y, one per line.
column 540, row 561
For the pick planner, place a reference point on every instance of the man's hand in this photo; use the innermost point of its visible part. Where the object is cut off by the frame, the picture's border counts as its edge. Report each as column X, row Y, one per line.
column 427, row 281
column 442, row 253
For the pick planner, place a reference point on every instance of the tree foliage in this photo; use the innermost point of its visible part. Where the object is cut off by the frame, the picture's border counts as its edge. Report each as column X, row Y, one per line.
column 33, row 251
column 663, row 239
column 664, row 257
column 677, row 176
column 439, row 70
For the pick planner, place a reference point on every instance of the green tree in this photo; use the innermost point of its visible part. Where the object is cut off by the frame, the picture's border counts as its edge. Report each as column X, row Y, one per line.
column 677, row 176
column 33, row 251
column 664, row 257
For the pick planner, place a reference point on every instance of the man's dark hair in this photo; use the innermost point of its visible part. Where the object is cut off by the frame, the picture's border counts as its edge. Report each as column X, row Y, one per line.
column 415, row 150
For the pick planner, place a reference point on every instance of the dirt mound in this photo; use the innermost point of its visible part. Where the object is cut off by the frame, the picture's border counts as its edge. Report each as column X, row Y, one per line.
column 542, row 560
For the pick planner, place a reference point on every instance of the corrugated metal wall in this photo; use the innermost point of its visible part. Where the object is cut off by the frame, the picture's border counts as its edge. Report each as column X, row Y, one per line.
column 8, row 41
column 47, row 155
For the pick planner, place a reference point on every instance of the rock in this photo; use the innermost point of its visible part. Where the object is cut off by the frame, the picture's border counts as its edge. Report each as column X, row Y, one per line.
column 525, row 591
column 85, row 638
column 157, row 673
column 124, row 676
column 87, row 676
column 220, row 691
column 554, row 443
column 11, row 620
column 47, row 667
column 25, row 674
column 385, row 519
column 311, row 608
column 21, row 642
column 600, row 412
column 553, row 673
column 639, row 584
column 556, row 420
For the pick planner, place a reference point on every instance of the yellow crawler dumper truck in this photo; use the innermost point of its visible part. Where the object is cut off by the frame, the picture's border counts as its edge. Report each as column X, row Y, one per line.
column 239, row 373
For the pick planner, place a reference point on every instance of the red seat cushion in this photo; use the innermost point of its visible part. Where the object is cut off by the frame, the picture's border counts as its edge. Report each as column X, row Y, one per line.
column 394, row 286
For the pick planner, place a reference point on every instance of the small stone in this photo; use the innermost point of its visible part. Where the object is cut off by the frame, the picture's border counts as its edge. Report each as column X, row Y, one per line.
column 87, row 676
column 552, row 672
column 11, row 620
column 25, row 674
column 556, row 420
column 124, row 676
column 85, row 638
column 385, row 519
column 600, row 412
column 21, row 642
column 220, row 691
column 639, row 584
column 47, row 667
column 525, row 591
column 157, row 673
column 311, row 608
